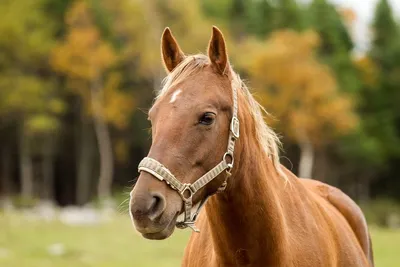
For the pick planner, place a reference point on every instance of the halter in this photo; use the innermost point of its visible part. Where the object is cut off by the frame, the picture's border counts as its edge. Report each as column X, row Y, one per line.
column 187, row 191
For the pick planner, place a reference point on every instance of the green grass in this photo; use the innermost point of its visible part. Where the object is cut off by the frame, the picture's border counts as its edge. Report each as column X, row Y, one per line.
column 25, row 243
column 386, row 245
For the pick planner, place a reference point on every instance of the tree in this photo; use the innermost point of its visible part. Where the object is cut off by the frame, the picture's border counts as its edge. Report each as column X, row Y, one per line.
column 255, row 17
column 85, row 58
column 300, row 91
column 261, row 18
column 27, row 94
column 289, row 15
column 336, row 43
column 384, row 28
column 381, row 108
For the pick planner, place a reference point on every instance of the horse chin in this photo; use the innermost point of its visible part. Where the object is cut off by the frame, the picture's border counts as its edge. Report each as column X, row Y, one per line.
column 163, row 234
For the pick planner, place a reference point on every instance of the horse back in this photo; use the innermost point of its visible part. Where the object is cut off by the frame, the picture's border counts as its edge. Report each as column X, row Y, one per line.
column 348, row 209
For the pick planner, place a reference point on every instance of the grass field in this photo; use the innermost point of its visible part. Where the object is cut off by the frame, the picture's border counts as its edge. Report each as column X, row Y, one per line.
column 41, row 244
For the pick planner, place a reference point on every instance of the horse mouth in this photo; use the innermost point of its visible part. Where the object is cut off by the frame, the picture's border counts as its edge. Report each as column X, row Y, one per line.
column 164, row 233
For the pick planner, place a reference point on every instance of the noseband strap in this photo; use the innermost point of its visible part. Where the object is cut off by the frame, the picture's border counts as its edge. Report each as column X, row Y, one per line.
column 187, row 191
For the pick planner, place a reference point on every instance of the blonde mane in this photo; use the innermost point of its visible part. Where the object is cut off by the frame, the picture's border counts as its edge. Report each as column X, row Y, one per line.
column 266, row 137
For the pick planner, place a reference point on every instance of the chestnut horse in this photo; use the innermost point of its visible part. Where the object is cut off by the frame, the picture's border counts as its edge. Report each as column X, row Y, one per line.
column 263, row 215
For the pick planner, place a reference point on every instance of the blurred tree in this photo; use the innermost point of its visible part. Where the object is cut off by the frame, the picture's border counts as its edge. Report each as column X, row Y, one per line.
column 119, row 40
column 364, row 155
column 381, row 109
column 187, row 22
column 218, row 10
column 289, row 15
column 384, row 28
column 336, row 43
column 300, row 91
column 255, row 17
column 336, row 50
column 361, row 154
column 55, row 11
column 385, row 52
column 27, row 95
column 85, row 58
column 261, row 17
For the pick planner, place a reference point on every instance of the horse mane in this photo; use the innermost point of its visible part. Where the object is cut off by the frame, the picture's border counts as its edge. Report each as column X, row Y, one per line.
column 266, row 137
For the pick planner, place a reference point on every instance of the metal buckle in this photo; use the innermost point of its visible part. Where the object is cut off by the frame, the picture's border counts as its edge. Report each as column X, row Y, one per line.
column 235, row 127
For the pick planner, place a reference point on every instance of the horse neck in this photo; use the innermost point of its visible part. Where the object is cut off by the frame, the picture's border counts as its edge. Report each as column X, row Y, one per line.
column 247, row 219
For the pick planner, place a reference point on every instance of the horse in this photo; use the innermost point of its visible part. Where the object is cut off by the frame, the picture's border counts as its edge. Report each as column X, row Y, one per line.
column 212, row 148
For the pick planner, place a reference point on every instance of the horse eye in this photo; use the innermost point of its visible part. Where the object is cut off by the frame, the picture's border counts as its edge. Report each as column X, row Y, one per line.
column 207, row 118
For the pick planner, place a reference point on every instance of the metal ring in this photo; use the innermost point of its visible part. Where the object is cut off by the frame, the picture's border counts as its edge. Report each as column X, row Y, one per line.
column 229, row 164
column 186, row 189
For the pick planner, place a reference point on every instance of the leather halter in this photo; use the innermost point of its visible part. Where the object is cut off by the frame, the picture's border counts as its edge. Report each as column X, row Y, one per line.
column 187, row 191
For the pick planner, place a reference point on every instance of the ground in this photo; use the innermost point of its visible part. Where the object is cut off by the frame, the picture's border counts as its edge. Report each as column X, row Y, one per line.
column 29, row 243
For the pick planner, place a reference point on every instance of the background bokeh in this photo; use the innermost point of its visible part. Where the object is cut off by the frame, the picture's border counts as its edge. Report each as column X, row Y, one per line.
column 77, row 77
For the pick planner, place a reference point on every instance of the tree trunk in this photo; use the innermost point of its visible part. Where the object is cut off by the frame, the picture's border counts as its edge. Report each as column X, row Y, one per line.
column 156, row 30
column 306, row 157
column 363, row 192
column 321, row 171
column 103, row 140
column 48, row 168
column 26, row 167
column 5, row 191
column 84, row 162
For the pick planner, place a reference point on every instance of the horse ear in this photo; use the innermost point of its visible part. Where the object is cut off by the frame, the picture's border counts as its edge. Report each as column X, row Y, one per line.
column 170, row 51
column 217, row 51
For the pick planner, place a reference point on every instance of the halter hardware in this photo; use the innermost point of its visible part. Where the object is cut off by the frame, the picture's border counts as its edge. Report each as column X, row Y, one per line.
column 235, row 127
column 187, row 188
column 160, row 172
column 229, row 163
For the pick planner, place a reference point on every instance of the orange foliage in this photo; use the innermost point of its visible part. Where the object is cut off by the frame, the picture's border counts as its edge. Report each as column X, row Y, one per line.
column 83, row 54
column 84, row 57
column 117, row 105
column 297, row 89
column 349, row 15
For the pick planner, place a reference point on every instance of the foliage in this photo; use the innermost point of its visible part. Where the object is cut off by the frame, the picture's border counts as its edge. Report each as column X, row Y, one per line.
column 183, row 18
column 378, row 140
column 297, row 89
column 25, row 87
column 336, row 43
column 385, row 28
column 298, row 57
column 255, row 17
column 381, row 109
column 83, row 56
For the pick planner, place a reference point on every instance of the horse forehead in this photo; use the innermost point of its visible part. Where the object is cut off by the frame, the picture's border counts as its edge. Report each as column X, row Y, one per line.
column 200, row 82
column 190, row 93
column 175, row 95
column 202, row 88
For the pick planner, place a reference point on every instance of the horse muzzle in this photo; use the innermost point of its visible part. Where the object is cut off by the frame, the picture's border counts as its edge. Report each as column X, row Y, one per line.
column 150, row 213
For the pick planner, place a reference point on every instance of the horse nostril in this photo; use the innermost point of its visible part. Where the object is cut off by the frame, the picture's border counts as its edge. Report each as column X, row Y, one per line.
column 157, row 206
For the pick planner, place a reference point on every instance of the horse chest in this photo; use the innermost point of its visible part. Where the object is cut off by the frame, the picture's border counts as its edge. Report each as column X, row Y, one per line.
column 242, row 257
